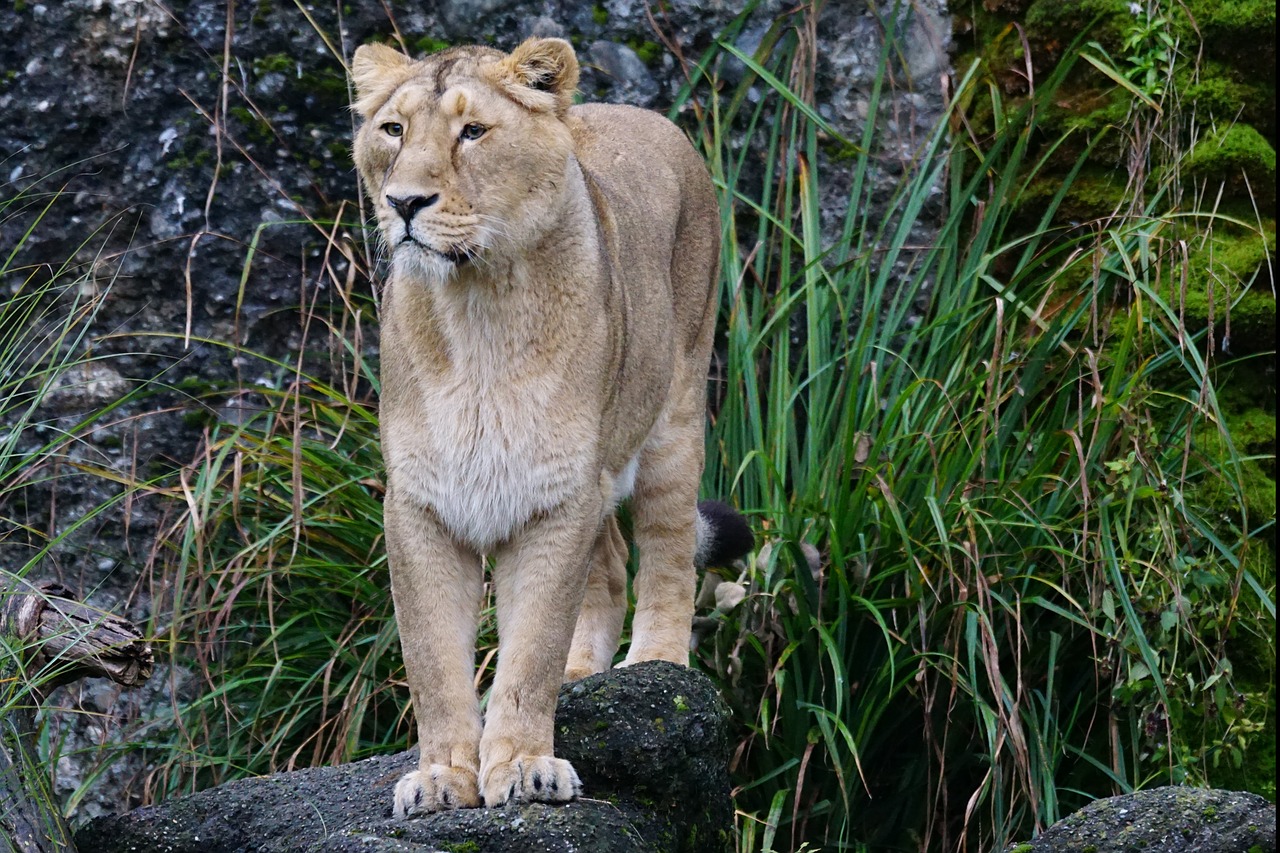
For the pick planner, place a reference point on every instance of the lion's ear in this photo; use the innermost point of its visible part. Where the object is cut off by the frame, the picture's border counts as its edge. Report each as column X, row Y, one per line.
column 542, row 73
column 376, row 72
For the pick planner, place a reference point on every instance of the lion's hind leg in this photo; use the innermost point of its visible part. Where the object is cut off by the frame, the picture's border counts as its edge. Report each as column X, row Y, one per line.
column 604, row 607
column 664, row 515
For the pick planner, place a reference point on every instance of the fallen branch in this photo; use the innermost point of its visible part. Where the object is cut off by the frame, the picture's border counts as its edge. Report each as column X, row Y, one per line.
column 48, row 639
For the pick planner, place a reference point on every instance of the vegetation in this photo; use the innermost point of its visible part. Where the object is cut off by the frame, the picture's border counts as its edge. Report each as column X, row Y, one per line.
column 45, row 366
column 44, row 323
column 1044, row 519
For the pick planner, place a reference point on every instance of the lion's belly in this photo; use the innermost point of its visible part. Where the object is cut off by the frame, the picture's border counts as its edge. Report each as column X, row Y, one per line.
column 486, row 467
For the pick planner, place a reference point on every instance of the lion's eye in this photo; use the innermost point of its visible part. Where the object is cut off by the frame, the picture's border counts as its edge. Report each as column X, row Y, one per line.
column 393, row 128
column 472, row 131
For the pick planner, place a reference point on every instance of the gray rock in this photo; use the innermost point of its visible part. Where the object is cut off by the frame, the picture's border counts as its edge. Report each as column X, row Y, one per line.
column 649, row 741
column 631, row 82
column 462, row 19
column 1164, row 820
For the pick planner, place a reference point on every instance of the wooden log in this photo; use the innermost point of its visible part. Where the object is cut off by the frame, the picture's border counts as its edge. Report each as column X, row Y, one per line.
column 48, row 639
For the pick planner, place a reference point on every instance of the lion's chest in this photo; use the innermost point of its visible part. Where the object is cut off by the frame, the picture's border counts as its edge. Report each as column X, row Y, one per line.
column 487, row 460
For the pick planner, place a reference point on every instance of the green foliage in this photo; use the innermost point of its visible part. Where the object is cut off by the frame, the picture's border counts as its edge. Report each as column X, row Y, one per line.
column 281, row 603
column 1024, row 595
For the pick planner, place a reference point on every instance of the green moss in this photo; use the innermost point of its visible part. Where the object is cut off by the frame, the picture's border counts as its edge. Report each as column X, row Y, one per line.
column 1222, row 279
column 1097, row 192
column 1230, row 153
column 650, row 52
column 1105, row 20
column 599, row 15
column 258, row 130
column 281, row 63
column 327, row 84
column 1022, row 848
column 1244, row 19
column 428, row 45
column 459, row 846
column 1219, row 91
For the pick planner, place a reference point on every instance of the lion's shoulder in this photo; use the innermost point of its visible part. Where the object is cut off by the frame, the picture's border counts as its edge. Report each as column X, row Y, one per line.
column 636, row 158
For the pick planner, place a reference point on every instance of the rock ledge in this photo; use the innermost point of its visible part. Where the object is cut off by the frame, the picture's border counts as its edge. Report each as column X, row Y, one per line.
column 650, row 743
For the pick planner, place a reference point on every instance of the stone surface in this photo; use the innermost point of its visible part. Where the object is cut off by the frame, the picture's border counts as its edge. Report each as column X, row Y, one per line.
column 649, row 741
column 1164, row 820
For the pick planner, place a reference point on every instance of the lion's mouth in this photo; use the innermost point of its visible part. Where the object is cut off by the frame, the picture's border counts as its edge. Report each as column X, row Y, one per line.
column 455, row 256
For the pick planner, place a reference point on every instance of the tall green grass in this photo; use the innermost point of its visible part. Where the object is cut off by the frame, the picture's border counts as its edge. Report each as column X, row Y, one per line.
column 1022, row 603
column 999, row 443
column 279, row 611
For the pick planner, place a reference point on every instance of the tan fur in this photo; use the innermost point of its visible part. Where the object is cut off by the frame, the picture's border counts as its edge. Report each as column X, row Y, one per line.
column 546, row 330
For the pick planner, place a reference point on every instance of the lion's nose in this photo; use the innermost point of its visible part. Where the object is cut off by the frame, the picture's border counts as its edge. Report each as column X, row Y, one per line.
column 410, row 205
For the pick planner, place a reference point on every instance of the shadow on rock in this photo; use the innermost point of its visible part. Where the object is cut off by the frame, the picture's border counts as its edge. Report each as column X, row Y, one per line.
column 650, row 743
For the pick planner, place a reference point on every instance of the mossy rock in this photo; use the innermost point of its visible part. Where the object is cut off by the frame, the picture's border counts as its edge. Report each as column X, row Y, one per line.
column 1242, row 32
column 1232, row 154
column 1096, row 192
column 1219, row 92
column 1227, row 278
column 1104, row 20
column 656, row 780
column 1253, row 434
column 1163, row 820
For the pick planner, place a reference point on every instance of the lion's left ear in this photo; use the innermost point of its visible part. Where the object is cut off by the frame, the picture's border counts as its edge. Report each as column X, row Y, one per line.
column 542, row 74
column 376, row 72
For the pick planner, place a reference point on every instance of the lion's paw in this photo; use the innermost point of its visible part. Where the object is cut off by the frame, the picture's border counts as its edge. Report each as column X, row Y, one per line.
column 577, row 673
column 531, row 779
column 435, row 789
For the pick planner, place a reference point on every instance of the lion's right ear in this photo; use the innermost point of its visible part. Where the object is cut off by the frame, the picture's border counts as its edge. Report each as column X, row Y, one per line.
column 376, row 72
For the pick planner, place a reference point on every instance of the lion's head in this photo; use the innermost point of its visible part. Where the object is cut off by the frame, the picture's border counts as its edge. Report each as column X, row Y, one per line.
column 464, row 153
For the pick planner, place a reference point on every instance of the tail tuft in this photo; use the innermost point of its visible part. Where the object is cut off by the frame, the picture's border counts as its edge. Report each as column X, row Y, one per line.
column 723, row 535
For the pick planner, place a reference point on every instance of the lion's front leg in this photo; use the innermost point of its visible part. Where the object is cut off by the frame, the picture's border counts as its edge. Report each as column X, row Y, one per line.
column 437, row 587
column 539, row 582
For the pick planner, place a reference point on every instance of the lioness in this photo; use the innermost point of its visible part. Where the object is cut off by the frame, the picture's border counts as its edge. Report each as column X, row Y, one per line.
column 546, row 330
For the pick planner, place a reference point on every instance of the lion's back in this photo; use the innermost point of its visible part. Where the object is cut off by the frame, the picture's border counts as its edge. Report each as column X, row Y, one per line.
column 656, row 200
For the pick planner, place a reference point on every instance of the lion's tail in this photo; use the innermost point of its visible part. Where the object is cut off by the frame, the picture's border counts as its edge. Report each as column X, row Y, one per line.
column 723, row 535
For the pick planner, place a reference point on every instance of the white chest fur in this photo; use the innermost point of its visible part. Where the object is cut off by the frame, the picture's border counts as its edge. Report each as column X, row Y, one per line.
column 486, row 462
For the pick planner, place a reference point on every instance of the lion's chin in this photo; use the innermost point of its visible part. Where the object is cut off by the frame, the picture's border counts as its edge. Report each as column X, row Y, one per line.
column 415, row 261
